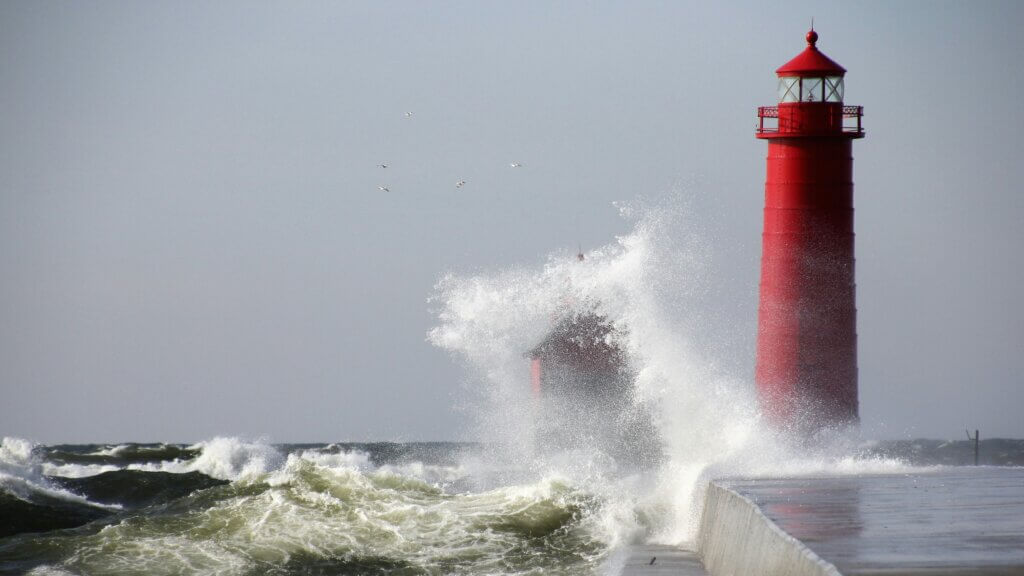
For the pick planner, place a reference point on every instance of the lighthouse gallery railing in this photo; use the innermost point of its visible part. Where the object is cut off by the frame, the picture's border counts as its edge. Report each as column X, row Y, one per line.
column 834, row 118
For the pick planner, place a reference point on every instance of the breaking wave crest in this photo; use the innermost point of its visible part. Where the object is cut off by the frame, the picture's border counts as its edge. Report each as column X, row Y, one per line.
column 653, row 287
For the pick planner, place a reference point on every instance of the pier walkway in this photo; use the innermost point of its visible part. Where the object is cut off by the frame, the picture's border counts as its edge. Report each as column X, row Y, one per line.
column 948, row 521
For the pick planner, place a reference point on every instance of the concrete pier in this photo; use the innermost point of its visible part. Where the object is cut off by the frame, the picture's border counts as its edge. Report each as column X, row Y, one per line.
column 946, row 522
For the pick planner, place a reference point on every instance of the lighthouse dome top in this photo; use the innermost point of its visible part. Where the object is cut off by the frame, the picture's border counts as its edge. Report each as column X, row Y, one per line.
column 811, row 62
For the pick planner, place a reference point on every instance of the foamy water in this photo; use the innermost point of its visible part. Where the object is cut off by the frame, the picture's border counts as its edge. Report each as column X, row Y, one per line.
column 23, row 474
column 335, row 508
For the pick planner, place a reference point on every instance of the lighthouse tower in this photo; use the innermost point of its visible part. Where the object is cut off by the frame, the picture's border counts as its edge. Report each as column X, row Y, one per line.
column 807, row 320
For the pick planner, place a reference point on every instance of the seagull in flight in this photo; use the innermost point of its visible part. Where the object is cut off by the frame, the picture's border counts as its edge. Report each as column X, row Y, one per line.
column 516, row 165
column 382, row 165
column 383, row 188
column 460, row 183
column 408, row 114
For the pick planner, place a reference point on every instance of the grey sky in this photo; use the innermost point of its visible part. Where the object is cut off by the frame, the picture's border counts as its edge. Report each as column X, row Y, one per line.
column 192, row 240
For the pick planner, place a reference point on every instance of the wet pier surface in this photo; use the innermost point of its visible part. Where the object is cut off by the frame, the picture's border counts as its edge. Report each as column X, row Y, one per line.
column 655, row 560
column 942, row 522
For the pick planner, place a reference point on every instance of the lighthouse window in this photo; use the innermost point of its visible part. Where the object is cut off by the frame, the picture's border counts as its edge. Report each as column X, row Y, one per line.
column 834, row 89
column 789, row 89
column 812, row 90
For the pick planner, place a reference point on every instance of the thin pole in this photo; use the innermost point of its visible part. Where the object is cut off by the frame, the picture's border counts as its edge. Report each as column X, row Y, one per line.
column 975, row 438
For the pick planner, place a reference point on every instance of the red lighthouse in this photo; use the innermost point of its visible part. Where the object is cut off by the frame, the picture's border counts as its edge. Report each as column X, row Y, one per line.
column 807, row 320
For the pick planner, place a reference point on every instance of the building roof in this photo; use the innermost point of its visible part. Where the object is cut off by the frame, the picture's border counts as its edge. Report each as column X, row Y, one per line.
column 811, row 62
column 583, row 340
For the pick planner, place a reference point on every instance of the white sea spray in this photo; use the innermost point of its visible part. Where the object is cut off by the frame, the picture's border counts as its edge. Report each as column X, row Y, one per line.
column 77, row 470
column 652, row 286
column 224, row 458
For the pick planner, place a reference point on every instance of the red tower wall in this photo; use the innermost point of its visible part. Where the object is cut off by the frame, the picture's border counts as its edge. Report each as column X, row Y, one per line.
column 807, row 340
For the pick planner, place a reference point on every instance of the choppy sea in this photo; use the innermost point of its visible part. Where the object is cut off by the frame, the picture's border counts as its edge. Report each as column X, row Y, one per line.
column 231, row 507
column 226, row 506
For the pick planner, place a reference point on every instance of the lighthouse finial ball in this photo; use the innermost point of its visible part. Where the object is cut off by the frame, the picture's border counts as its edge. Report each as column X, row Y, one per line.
column 812, row 37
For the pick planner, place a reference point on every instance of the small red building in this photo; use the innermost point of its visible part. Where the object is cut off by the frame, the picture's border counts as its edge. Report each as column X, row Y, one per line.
column 579, row 357
column 585, row 393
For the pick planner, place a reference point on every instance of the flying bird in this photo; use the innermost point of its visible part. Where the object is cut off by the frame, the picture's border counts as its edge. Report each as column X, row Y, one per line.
column 408, row 114
column 382, row 165
column 383, row 188
column 460, row 183
column 516, row 165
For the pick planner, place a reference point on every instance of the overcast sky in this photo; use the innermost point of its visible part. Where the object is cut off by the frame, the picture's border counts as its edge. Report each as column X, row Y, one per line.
column 192, row 239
